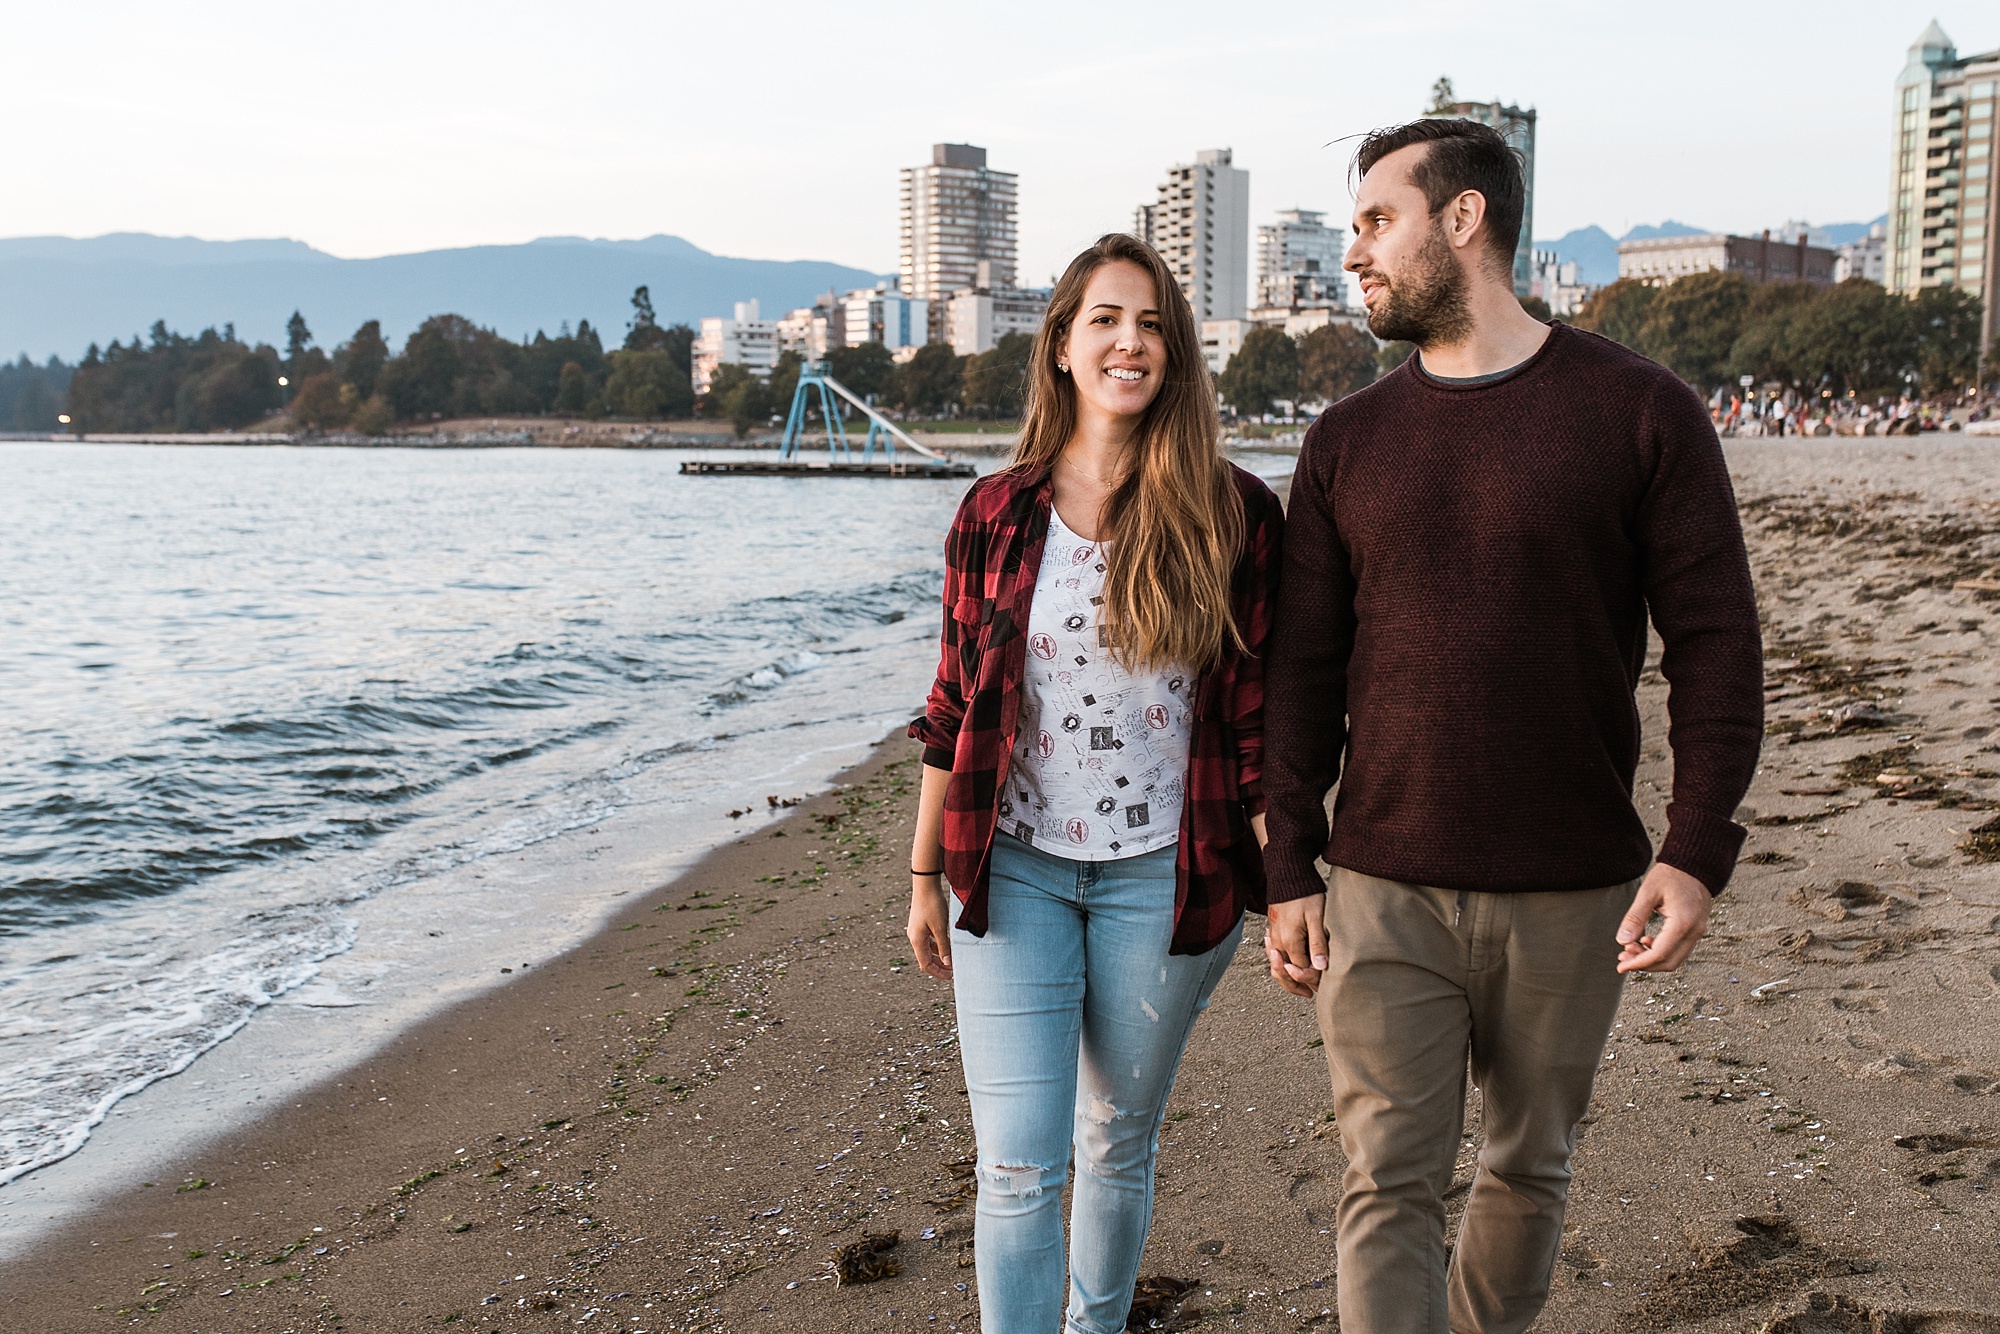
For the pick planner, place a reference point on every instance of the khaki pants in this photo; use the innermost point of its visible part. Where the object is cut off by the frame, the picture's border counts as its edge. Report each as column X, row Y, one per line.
column 1420, row 980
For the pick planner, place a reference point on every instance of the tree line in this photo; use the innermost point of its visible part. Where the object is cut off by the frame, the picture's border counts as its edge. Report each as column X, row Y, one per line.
column 1818, row 341
column 1321, row 365
column 449, row 367
column 31, row 396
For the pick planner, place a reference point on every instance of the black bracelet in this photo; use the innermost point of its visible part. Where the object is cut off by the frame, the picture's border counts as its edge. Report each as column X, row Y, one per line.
column 915, row 871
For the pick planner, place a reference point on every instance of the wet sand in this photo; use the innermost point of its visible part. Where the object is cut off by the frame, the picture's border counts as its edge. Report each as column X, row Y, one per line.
column 678, row 1126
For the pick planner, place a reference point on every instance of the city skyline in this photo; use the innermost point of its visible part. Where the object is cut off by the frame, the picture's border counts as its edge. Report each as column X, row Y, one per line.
column 455, row 134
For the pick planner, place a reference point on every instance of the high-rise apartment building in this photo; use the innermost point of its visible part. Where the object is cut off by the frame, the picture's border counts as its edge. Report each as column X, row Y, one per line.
column 886, row 315
column 956, row 212
column 1941, row 194
column 1298, row 262
column 748, row 340
column 1200, row 224
column 1517, row 127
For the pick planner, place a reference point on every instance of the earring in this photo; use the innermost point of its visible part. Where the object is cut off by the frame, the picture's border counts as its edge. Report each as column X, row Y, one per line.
column 1063, row 366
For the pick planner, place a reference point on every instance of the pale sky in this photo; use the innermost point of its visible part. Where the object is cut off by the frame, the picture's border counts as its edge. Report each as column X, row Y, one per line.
column 775, row 129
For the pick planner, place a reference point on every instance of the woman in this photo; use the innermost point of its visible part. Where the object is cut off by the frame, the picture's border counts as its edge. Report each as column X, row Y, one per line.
column 1090, row 786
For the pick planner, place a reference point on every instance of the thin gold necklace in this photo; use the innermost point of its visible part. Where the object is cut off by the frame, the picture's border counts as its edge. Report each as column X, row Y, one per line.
column 1092, row 476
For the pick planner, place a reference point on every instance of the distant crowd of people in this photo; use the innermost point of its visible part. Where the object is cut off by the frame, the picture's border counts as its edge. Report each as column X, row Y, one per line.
column 1736, row 415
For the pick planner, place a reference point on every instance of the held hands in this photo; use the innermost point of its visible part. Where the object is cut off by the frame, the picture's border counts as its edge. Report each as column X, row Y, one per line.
column 1295, row 940
column 1295, row 944
column 1682, row 903
column 930, row 926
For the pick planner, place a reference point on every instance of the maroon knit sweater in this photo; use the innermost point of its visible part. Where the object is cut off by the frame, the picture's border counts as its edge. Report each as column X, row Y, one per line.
column 1462, row 624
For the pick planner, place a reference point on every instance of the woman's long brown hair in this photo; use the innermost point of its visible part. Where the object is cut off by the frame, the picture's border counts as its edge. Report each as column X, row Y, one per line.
column 1174, row 526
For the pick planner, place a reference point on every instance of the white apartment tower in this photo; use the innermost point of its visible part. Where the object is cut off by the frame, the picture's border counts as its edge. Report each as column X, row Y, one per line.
column 956, row 212
column 1298, row 262
column 1941, row 194
column 1200, row 224
column 748, row 340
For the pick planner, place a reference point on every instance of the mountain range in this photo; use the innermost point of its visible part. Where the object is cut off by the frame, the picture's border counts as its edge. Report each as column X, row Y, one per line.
column 60, row 294
column 1595, row 250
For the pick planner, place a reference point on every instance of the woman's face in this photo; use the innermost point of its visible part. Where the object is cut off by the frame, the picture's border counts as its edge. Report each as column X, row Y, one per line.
column 1115, row 350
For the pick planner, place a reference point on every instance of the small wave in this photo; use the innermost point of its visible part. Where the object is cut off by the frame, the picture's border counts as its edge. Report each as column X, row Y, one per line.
column 150, row 1023
column 305, row 754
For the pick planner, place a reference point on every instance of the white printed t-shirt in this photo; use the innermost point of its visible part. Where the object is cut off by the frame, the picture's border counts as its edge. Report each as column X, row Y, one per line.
column 1101, row 755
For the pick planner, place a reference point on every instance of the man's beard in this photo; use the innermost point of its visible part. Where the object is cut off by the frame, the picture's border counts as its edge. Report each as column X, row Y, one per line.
column 1426, row 305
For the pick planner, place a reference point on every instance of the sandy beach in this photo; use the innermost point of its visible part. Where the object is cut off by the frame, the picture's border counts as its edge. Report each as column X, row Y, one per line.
column 681, row 1124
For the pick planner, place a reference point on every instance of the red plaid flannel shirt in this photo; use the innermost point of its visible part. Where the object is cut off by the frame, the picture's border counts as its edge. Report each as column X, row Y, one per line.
column 992, row 556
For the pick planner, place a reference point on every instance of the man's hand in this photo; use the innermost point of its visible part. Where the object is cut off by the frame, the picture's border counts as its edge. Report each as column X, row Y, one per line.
column 1682, row 903
column 1295, row 944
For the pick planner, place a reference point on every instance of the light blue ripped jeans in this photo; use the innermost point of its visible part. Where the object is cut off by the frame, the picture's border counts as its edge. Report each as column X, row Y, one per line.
column 1071, row 1020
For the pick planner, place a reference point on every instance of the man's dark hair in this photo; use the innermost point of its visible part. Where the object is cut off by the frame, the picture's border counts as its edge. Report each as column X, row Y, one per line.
column 1463, row 155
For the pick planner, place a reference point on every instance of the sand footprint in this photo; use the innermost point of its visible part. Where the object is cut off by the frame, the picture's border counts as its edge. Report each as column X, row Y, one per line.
column 1826, row 1313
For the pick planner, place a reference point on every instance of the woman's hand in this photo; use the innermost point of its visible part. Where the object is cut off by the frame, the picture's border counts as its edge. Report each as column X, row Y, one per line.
column 930, row 926
column 930, row 902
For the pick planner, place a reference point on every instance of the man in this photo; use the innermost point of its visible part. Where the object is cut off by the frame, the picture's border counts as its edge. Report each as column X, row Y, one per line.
column 1473, row 546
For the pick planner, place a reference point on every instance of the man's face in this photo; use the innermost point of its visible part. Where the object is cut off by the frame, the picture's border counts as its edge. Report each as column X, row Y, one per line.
column 1411, row 280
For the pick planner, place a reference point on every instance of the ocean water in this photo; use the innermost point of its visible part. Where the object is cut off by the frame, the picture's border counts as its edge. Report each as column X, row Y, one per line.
column 248, row 688
column 257, row 697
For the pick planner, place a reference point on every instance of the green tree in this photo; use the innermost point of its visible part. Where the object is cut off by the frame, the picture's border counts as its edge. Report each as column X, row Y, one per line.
column 372, row 416
column 172, row 382
column 359, row 360
column 1538, row 308
column 32, row 396
column 1264, row 370
column 1773, row 341
column 1692, row 325
column 996, row 380
column 1443, row 96
column 544, row 357
column 576, row 395
column 641, row 332
column 317, row 403
column 1945, row 323
column 677, row 341
column 1334, row 361
column 647, row 385
column 930, row 383
column 450, row 367
column 866, row 369
column 1619, row 312
column 297, row 338
column 1391, row 355
column 302, row 359
column 735, row 396
column 644, row 333
column 781, row 384
column 1852, row 336
column 239, row 387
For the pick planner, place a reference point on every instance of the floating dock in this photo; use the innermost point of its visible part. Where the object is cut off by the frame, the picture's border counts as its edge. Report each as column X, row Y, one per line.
column 879, row 457
column 773, row 468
